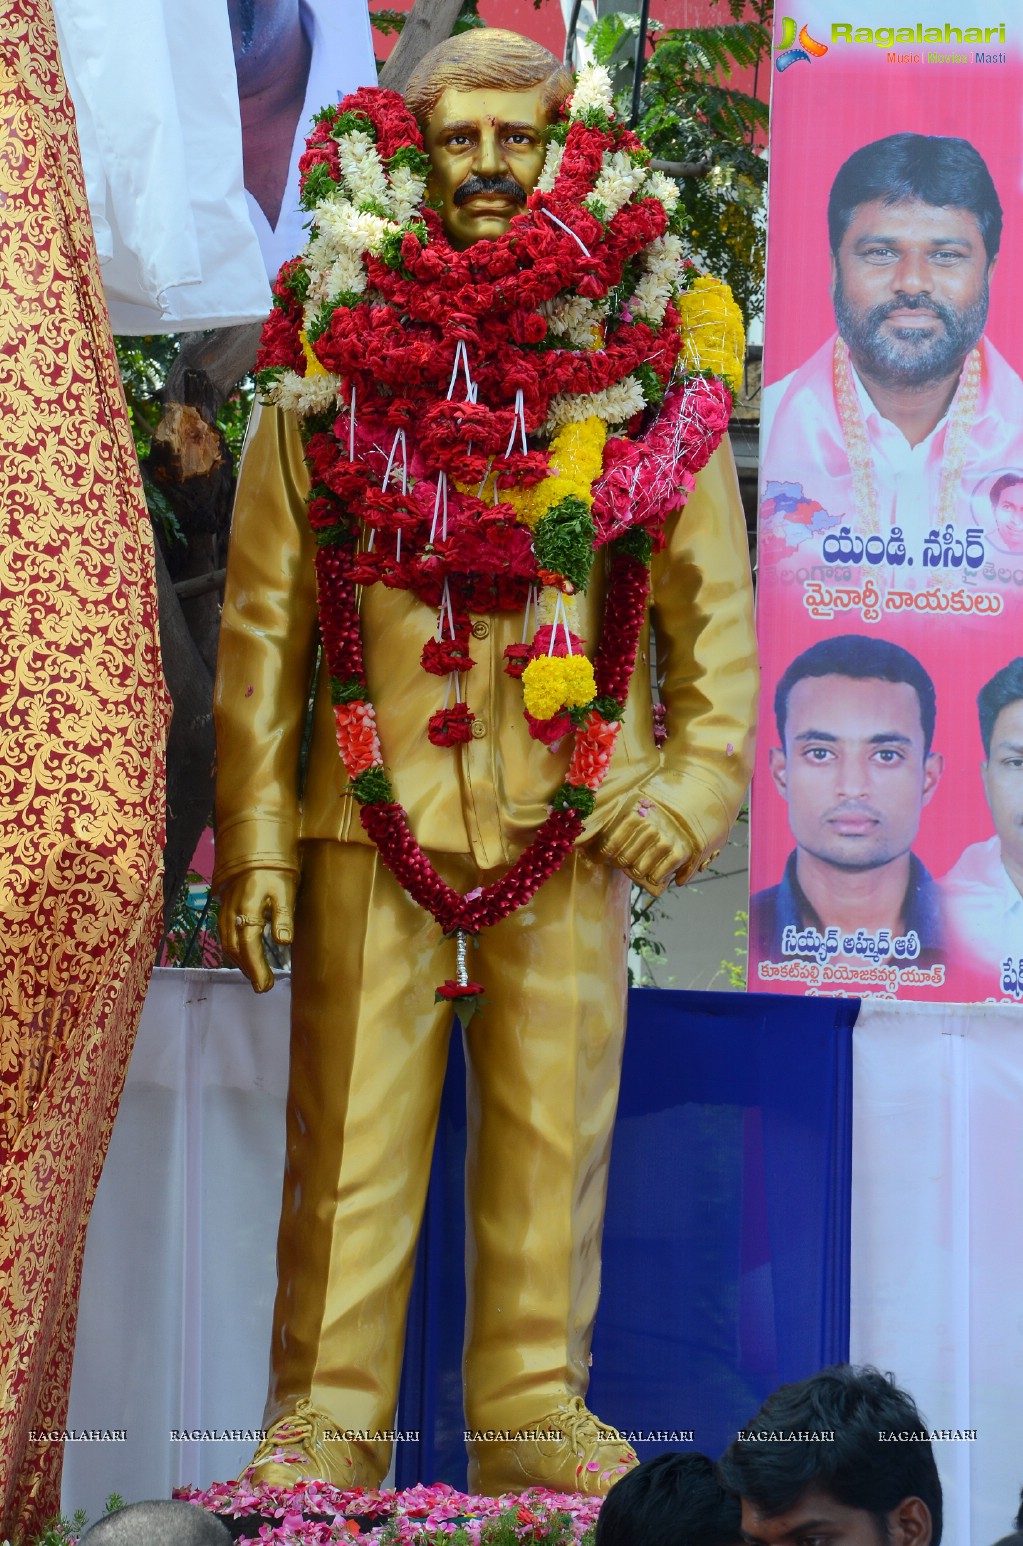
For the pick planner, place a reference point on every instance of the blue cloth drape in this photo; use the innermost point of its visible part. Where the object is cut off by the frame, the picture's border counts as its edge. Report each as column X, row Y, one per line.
column 726, row 1243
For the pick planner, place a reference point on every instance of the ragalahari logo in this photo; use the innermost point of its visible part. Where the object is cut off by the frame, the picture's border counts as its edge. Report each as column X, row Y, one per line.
column 793, row 49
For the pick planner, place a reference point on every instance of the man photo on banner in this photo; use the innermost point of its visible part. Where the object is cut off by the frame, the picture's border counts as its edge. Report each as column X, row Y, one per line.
column 1004, row 517
column 983, row 891
column 855, row 717
column 291, row 57
column 898, row 414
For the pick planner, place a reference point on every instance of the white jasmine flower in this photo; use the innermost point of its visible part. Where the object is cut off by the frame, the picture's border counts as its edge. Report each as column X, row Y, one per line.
column 362, row 169
column 407, row 194
column 551, row 167
column 304, row 395
column 620, row 177
column 573, row 318
column 592, row 89
column 660, row 186
column 615, row 405
column 659, row 280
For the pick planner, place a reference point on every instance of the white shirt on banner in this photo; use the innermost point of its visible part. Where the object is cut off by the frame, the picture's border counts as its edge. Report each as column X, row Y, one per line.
column 984, row 910
column 156, row 99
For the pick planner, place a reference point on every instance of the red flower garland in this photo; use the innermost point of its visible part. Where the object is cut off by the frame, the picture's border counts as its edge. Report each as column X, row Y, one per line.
column 398, row 351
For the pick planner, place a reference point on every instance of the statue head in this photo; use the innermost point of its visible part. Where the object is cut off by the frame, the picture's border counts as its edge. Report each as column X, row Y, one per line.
column 484, row 101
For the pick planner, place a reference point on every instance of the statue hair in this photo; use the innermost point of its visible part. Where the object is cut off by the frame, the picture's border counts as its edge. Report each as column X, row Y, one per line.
column 486, row 57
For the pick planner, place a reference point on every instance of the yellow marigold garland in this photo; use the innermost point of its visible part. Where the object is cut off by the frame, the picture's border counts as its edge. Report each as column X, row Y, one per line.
column 713, row 333
column 576, row 456
column 555, row 682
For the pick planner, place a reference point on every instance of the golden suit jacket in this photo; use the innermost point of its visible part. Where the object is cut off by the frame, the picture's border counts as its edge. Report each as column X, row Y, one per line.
column 487, row 797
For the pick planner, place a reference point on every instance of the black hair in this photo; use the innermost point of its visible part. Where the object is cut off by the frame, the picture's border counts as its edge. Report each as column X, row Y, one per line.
column 1007, row 480
column 854, row 1466
column 936, row 169
column 161, row 1522
column 672, row 1500
column 863, row 658
column 1005, row 687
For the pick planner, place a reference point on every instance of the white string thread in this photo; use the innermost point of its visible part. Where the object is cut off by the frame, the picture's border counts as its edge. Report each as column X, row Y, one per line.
column 440, row 509
column 351, row 430
column 518, row 423
column 567, row 228
column 462, row 358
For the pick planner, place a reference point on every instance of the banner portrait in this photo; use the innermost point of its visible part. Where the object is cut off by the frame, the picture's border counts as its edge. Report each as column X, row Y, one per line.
column 887, row 815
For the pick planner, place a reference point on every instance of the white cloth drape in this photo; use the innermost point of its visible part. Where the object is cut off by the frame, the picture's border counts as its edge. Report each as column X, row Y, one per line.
column 156, row 101
column 179, row 1275
column 937, row 1251
column 182, row 246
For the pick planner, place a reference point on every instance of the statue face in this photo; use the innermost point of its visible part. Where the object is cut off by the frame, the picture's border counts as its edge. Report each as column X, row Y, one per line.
column 487, row 150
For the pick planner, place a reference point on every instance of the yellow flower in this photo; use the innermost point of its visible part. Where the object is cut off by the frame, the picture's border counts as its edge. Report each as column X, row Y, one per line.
column 713, row 336
column 555, row 682
column 576, row 456
column 312, row 364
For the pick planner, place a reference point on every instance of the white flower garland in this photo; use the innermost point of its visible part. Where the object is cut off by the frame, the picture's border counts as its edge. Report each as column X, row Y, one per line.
column 348, row 226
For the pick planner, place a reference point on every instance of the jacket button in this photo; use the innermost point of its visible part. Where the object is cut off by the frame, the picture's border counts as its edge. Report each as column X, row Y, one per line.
column 479, row 730
column 480, row 629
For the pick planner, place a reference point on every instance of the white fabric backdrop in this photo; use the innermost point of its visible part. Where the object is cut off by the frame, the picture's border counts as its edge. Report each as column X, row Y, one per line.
column 937, row 1248
column 179, row 1276
column 179, row 1267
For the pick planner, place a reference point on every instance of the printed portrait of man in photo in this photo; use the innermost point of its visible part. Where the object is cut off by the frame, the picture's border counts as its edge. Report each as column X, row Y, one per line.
column 855, row 766
column 898, row 414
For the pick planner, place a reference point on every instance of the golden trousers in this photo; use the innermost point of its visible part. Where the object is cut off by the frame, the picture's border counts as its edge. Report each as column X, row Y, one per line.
column 368, row 1053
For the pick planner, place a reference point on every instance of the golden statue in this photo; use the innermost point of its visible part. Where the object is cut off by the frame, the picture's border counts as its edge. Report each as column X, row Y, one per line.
column 414, row 334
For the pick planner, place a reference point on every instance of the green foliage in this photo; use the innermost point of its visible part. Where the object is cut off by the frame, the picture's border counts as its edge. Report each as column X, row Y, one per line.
column 563, row 540
column 317, row 185
column 61, row 1531
column 192, row 939
column 387, row 20
column 372, row 787
column 573, row 797
column 645, row 912
column 734, row 969
column 692, row 114
column 350, row 691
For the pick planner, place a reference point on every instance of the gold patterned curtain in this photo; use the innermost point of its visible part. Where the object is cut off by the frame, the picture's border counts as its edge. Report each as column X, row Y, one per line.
column 83, row 714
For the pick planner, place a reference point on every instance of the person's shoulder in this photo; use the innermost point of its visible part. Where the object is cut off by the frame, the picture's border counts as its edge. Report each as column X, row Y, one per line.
column 1001, row 375
column 803, row 378
column 763, row 921
column 973, row 867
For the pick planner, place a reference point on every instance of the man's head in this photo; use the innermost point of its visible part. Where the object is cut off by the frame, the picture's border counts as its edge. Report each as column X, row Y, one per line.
column 914, row 224
column 855, row 719
column 484, row 101
column 162, row 1522
column 872, row 1483
column 1000, row 710
column 672, row 1500
column 1007, row 510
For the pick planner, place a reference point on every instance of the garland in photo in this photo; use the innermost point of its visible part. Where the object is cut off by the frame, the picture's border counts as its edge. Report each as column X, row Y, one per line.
column 479, row 423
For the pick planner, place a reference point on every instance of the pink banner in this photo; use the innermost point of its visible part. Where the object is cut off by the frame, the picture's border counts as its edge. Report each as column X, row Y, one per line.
column 887, row 821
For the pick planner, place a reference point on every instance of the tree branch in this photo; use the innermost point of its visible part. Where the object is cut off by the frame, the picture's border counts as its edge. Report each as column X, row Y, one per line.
column 429, row 23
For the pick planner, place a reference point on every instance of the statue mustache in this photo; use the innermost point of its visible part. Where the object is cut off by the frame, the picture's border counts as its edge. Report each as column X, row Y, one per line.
column 506, row 186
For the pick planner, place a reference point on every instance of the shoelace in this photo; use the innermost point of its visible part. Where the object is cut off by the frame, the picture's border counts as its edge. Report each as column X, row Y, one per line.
column 298, row 1428
column 580, row 1427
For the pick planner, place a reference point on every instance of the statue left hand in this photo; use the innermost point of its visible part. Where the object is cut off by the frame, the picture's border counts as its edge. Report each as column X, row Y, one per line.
column 648, row 844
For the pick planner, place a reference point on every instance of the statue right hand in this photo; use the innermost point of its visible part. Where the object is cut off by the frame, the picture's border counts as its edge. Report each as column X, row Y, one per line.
column 247, row 902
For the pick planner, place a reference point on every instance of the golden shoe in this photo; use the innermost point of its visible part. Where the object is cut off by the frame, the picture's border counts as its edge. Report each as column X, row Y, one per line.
column 301, row 1447
column 568, row 1450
